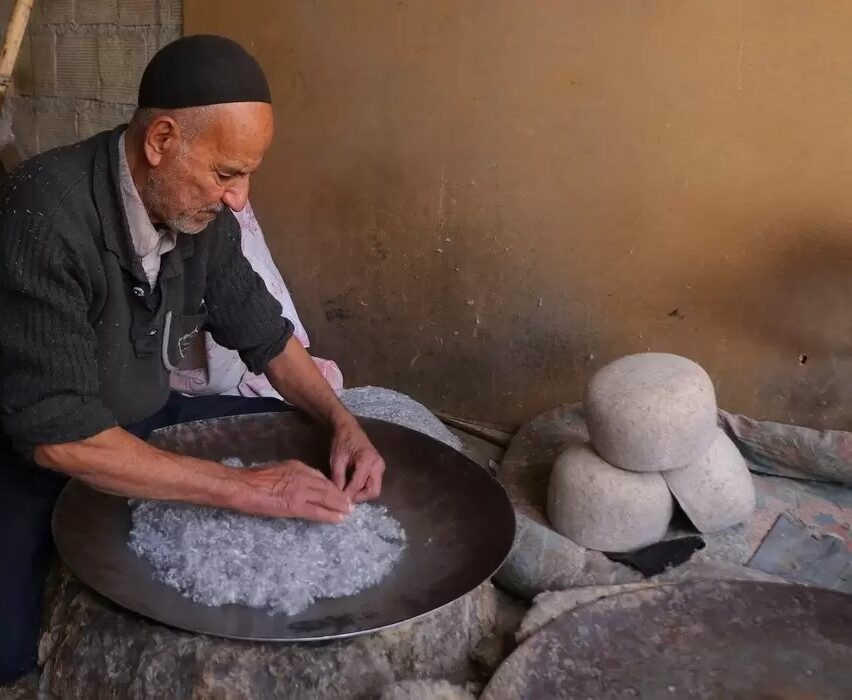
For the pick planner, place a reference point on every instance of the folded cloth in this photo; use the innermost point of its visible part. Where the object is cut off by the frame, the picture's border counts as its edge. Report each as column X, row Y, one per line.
column 656, row 558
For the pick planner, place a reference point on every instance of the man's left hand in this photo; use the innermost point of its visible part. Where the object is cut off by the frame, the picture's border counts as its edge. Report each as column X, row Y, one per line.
column 353, row 456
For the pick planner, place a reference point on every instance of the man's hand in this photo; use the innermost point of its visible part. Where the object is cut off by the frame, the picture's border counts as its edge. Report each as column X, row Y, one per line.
column 290, row 489
column 116, row 462
column 351, row 450
column 295, row 376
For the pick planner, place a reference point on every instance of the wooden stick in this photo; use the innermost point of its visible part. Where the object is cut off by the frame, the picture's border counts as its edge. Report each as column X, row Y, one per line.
column 493, row 435
column 12, row 43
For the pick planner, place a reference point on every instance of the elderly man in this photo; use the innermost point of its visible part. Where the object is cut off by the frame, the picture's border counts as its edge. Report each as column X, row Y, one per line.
column 114, row 253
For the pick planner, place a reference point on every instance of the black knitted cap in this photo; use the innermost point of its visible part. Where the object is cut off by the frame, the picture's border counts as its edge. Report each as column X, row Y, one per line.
column 202, row 70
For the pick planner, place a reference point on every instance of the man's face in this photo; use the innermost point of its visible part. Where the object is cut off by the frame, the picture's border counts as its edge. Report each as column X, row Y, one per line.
column 204, row 164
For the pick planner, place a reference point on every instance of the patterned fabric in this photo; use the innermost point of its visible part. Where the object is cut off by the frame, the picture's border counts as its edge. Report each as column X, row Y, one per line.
column 225, row 373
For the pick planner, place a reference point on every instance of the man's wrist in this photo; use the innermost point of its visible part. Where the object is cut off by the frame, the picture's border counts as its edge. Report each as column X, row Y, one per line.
column 231, row 492
column 339, row 417
column 223, row 487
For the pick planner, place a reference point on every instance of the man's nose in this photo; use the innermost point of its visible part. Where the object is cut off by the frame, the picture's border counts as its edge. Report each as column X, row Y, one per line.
column 236, row 194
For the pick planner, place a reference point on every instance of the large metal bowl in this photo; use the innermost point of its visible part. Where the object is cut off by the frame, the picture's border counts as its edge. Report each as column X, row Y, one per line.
column 459, row 522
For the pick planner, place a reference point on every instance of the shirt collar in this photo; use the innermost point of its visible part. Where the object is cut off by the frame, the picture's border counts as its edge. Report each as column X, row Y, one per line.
column 146, row 238
column 114, row 224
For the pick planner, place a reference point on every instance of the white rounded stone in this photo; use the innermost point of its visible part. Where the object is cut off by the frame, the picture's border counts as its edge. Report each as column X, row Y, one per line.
column 716, row 491
column 602, row 507
column 651, row 412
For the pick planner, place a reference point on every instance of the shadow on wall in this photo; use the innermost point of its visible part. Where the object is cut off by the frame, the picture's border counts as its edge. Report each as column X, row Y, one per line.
column 479, row 204
column 467, row 286
column 791, row 298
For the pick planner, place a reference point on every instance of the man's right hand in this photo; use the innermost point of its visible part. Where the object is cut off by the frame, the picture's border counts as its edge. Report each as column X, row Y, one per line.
column 289, row 489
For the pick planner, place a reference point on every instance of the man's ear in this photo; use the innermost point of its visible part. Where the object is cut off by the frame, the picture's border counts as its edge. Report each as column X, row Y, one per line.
column 162, row 133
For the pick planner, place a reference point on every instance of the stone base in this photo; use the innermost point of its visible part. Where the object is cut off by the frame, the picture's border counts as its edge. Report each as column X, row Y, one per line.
column 93, row 649
column 426, row 690
column 24, row 689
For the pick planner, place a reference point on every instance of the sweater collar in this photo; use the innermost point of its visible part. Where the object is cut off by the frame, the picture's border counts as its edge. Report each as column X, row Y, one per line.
column 107, row 193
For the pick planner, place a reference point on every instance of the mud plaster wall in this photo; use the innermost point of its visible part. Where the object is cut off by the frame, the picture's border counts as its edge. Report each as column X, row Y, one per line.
column 480, row 203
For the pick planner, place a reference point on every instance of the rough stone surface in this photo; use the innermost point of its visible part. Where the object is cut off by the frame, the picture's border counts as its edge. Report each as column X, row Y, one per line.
column 543, row 560
column 540, row 558
column 495, row 647
column 602, row 507
column 24, row 689
column 393, row 407
column 651, row 412
column 426, row 690
column 548, row 606
column 695, row 639
column 716, row 491
column 528, row 462
column 92, row 649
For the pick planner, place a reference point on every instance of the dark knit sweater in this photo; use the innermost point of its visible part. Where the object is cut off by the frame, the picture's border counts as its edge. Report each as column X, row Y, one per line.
column 85, row 344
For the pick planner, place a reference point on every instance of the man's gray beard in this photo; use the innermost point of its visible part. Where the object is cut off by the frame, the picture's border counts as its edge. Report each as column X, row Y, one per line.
column 182, row 223
column 185, row 223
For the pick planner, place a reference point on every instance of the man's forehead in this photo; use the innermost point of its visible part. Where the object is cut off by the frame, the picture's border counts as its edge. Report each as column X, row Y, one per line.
column 239, row 133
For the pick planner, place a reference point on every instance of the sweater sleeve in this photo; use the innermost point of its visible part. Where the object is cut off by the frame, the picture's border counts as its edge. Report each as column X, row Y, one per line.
column 49, row 384
column 242, row 314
